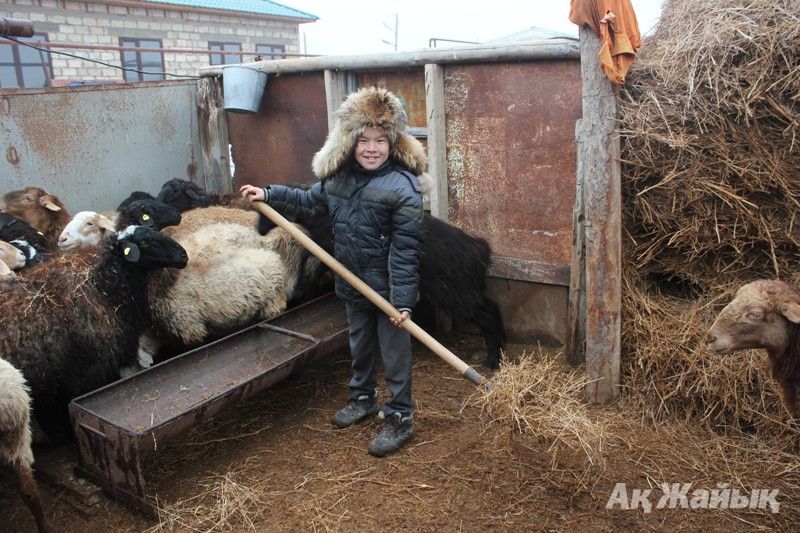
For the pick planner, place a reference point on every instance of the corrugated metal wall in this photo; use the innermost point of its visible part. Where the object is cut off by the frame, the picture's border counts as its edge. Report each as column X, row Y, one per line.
column 92, row 146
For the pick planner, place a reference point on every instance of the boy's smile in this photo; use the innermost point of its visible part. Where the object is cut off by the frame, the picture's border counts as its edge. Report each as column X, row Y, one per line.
column 372, row 148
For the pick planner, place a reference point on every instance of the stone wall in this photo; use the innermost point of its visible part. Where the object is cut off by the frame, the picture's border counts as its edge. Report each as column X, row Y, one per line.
column 100, row 24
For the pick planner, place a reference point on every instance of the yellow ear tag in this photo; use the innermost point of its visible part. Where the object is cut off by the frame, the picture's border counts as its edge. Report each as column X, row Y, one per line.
column 127, row 250
column 40, row 233
column 145, row 217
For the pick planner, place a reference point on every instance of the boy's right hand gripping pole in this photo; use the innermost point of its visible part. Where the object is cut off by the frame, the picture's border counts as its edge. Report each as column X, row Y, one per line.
column 418, row 333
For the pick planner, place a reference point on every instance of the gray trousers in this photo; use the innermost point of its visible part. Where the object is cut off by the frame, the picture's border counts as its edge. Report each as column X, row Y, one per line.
column 372, row 333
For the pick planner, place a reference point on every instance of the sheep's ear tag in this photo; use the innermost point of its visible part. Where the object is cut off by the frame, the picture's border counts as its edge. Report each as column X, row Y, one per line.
column 146, row 220
column 40, row 233
column 131, row 252
column 791, row 310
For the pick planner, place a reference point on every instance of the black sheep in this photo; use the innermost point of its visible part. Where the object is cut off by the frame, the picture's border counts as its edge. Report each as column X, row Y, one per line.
column 25, row 237
column 70, row 329
column 185, row 195
column 147, row 212
column 132, row 197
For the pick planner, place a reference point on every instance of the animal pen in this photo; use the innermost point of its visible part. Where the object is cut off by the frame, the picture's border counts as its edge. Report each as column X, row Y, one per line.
column 524, row 146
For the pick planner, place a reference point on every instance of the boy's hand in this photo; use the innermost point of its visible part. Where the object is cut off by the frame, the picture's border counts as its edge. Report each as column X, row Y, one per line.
column 252, row 193
column 404, row 315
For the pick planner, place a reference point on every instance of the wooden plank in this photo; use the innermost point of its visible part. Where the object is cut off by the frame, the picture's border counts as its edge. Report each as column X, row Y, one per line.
column 534, row 51
column 437, row 140
column 575, row 344
column 338, row 84
column 213, row 126
column 598, row 151
column 529, row 270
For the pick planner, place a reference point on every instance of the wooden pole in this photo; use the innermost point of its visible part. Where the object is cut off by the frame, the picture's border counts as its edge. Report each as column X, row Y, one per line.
column 420, row 334
column 598, row 162
column 437, row 139
column 213, row 127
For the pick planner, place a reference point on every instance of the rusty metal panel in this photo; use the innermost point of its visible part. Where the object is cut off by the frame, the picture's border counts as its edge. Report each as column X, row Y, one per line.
column 511, row 162
column 276, row 145
column 91, row 146
column 408, row 84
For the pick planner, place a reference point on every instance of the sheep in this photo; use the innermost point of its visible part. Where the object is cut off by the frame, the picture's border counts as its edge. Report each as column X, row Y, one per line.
column 68, row 329
column 25, row 237
column 764, row 314
column 5, row 271
column 132, row 197
column 40, row 209
column 86, row 228
column 185, row 195
column 452, row 276
column 15, row 438
column 224, row 287
column 11, row 256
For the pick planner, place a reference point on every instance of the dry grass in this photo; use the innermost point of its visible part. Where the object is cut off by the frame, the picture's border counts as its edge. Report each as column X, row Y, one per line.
column 535, row 395
column 709, row 120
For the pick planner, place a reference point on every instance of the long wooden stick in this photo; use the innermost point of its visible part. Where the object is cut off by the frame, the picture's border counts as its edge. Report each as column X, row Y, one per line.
column 420, row 334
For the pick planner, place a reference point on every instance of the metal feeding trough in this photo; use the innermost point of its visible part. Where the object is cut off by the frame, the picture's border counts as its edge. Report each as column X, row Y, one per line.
column 119, row 425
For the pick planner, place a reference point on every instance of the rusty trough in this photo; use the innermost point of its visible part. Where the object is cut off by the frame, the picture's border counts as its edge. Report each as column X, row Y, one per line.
column 119, row 425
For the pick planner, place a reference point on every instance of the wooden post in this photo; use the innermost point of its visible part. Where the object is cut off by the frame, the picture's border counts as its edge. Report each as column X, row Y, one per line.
column 437, row 139
column 338, row 84
column 599, row 173
column 213, row 126
column 575, row 345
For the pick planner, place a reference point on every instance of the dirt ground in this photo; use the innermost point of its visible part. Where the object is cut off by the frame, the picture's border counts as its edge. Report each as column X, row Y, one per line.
column 275, row 463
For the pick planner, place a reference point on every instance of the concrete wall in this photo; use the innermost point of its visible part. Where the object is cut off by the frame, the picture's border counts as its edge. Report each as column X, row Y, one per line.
column 92, row 146
column 95, row 23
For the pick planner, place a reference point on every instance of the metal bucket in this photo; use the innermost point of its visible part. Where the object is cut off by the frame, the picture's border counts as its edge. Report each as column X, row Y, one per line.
column 243, row 88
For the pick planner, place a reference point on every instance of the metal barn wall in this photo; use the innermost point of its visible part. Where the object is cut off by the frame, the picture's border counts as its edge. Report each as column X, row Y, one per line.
column 511, row 164
column 91, row 146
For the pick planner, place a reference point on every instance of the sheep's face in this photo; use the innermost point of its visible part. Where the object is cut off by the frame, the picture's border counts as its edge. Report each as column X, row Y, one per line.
column 183, row 195
column 86, row 228
column 151, row 213
column 11, row 256
column 149, row 249
column 761, row 315
column 31, row 204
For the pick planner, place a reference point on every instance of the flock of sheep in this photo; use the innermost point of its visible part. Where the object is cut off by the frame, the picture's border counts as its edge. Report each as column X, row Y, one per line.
column 87, row 299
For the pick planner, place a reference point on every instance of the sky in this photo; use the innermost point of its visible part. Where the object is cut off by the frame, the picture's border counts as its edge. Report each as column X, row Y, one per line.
column 360, row 26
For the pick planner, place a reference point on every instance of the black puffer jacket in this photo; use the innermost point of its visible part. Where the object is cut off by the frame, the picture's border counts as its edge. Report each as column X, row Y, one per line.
column 377, row 225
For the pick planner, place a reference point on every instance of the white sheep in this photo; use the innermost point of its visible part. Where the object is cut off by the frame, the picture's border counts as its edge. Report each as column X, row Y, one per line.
column 15, row 437
column 86, row 228
column 11, row 256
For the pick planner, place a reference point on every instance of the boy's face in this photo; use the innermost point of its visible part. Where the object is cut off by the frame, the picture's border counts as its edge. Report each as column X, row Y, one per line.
column 372, row 148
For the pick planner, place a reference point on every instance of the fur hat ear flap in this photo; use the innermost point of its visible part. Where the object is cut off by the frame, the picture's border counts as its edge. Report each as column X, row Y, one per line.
column 410, row 153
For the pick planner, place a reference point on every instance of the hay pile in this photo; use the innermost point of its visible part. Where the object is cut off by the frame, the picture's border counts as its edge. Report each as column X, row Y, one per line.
column 535, row 396
column 710, row 122
column 710, row 117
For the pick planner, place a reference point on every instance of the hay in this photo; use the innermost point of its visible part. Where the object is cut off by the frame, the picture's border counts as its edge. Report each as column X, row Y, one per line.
column 535, row 396
column 709, row 121
column 710, row 156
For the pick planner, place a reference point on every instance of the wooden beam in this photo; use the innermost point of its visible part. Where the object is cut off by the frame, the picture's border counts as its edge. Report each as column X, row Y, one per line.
column 535, row 51
column 338, row 84
column 213, row 126
column 598, row 157
column 575, row 344
column 437, row 140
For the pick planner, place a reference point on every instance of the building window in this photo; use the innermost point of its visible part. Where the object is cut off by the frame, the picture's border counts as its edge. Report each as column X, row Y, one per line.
column 23, row 66
column 271, row 51
column 225, row 59
column 150, row 62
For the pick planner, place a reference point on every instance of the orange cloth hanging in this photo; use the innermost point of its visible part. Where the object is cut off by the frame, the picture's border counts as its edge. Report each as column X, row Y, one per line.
column 614, row 22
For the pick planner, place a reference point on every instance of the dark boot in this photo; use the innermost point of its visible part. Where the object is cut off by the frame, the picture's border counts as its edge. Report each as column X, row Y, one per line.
column 397, row 430
column 355, row 411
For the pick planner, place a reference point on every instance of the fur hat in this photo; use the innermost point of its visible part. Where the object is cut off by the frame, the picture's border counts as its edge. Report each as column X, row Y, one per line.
column 369, row 107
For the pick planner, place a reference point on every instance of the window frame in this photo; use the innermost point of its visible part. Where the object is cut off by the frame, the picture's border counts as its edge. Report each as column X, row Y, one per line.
column 18, row 65
column 124, row 43
column 223, row 57
column 273, row 52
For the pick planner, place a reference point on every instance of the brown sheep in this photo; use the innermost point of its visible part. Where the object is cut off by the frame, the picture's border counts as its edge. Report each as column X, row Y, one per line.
column 38, row 208
column 765, row 314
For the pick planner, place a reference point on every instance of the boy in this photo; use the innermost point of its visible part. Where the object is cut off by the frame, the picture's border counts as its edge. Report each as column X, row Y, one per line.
column 370, row 171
